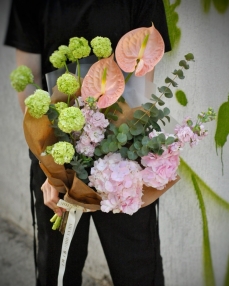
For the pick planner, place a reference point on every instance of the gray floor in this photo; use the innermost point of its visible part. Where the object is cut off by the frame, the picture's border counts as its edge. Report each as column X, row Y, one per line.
column 16, row 258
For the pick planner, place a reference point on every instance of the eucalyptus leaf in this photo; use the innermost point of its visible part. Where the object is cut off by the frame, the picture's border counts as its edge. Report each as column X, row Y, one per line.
column 113, row 128
column 123, row 128
column 145, row 140
column 111, row 116
column 168, row 118
column 166, row 91
column 189, row 57
column 184, row 64
column 131, row 155
column 144, row 150
column 163, row 122
column 157, row 99
column 123, row 151
column 179, row 73
column 169, row 141
column 122, row 138
column 141, row 115
column 105, row 147
column 137, row 129
column 169, row 80
column 166, row 111
column 52, row 113
column 137, row 145
column 98, row 152
column 113, row 146
column 147, row 106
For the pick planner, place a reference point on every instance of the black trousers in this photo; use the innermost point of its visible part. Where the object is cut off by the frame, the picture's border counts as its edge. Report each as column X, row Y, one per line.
column 130, row 243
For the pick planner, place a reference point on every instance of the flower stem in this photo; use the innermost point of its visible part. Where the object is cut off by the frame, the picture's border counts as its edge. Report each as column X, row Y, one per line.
column 36, row 85
column 78, row 71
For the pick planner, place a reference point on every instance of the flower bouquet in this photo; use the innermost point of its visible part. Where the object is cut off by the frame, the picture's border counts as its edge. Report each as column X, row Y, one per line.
column 91, row 145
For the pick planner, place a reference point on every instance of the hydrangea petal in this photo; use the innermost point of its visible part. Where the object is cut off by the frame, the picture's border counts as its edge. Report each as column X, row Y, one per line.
column 128, row 48
column 114, row 85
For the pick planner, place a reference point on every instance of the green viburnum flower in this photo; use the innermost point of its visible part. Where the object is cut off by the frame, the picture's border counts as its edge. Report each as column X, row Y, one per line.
column 79, row 47
column 65, row 49
column 38, row 103
column 21, row 77
column 58, row 59
column 101, row 47
column 60, row 106
column 91, row 102
column 62, row 152
column 68, row 84
column 71, row 119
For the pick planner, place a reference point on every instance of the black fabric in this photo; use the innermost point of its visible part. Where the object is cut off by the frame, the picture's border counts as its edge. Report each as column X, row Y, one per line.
column 131, row 243
column 53, row 22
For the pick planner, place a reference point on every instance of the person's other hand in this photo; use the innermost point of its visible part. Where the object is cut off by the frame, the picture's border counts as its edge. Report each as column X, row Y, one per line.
column 51, row 197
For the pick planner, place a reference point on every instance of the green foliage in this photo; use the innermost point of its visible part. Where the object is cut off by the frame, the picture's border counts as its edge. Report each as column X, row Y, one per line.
column 181, row 97
column 80, row 165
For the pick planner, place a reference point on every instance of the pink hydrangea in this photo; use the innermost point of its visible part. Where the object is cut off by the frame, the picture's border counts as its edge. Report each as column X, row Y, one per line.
column 119, row 182
column 160, row 169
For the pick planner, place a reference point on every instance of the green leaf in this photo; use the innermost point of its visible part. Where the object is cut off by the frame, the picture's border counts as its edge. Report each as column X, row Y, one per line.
column 123, row 151
column 160, row 114
column 113, row 147
column 122, row 138
column 166, row 111
column 157, row 99
column 137, row 129
column 184, row 64
column 141, row 116
column 121, row 99
column 111, row 116
column 154, row 125
column 153, row 143
column 163, row 122
column 131, row 155
column 123, row 128
column 147, row 106
column 83, row 175
column 168, row 118
column 166, row 91
column 137, row 145
column 113, row 128
column 52, row 113
column 154, row 112
column 161, row 138
column 145, row 140
column 105, row 147
column 169, row 80
column 144, row 150
column 116, row 106
column 98, row 152
column 129, row 136
column 181, row 97
column 179, row 73
column 189, row 57
column 169, row 141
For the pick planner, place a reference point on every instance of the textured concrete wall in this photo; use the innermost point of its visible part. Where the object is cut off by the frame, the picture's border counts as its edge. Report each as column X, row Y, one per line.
column 206, row 35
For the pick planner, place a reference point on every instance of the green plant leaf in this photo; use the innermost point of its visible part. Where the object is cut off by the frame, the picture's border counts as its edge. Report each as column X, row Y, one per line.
column 169, row 80
column 141, row 116
column 166, row 91
column 105, row 147
column 131, row 155
column 123, row 151
column 157, row 99
column 169, row 141
column 179, row 73
column 144, row 150
column 113, row 146
column 98, row 152
column 111, row 116
column 181, row 97
column 122, row 138
column 113, row 128
column 166, row 111
column 137, row 145
column 52, row 113
column 184, row 64
column 123, row 128
column 137, row 129
column 189, row 57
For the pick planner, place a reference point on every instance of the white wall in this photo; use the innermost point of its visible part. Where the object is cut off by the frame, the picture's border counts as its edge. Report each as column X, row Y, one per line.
column 206, row 84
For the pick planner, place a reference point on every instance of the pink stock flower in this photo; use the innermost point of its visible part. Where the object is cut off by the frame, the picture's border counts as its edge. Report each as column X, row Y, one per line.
column 184, row 133
column 119, row 182
column 140, row 50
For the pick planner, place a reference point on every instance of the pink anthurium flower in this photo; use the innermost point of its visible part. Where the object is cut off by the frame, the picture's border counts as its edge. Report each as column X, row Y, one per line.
column 140, row 50
column 104, row 81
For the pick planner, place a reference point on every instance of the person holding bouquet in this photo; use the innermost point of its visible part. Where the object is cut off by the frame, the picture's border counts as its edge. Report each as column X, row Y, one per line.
column 130, row 243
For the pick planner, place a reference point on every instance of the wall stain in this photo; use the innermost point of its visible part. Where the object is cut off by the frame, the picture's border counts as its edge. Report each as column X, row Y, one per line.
column 181, row 97
column 222, row 128
column 172, row 20
column 220, row 5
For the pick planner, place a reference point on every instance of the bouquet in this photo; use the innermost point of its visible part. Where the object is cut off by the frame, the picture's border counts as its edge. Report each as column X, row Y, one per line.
column 92, row 146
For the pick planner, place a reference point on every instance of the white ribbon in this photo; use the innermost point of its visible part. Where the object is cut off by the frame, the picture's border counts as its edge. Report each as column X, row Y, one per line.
column 74, row 216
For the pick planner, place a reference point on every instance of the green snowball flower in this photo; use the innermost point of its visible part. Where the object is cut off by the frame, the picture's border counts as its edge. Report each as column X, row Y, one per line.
column 60, row 106
column 71, row 119
column 58, row 59
column 62, row 152
column 101, row 47
column 67, row 52
column 79, row 47
column 68, row 84
column 21, row 77
column 38, row 103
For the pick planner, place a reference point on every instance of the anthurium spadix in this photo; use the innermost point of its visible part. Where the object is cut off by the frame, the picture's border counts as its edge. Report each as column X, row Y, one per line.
column 140, row 50
column 104, row 81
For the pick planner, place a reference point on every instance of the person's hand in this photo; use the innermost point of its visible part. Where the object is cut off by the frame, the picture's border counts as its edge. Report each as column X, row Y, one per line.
column 51, row 198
